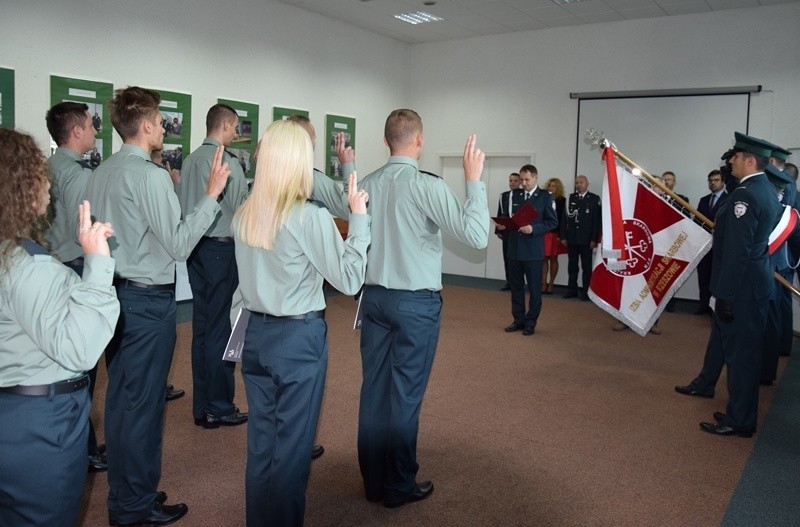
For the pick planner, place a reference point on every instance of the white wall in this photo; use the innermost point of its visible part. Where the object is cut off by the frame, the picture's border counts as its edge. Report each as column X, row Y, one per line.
column 513, row 90
column 257, row 51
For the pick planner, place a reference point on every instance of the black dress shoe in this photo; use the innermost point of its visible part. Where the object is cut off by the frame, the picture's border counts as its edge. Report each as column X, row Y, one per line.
column 571, row 294
column 528, row 331
column 160, row 515
column 505, row 287
column 171, row 393
column 234, row 418
column 98, row 462
column 703, row 311
column 719, row 417
column 421, row 491
column 585, row 297
column 725, row 430
column 317, row 452
column 515, row 326
column 688, row 390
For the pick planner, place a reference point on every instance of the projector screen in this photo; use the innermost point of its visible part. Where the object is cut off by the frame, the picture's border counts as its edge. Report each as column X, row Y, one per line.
column 683, row 134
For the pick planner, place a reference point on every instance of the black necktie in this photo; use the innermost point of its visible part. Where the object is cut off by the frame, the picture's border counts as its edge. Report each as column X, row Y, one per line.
column 527, row 195
column 713, row 201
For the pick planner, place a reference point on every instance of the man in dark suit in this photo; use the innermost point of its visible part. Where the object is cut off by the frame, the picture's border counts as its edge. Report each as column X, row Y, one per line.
column 526, row 250
column 504, row 211
column 580, row 232
column 741, row 282
column 708, row 207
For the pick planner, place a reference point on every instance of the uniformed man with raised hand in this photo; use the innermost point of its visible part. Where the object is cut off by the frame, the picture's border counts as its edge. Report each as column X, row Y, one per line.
column 401, row 301
column 138, row 198
column 212, row 274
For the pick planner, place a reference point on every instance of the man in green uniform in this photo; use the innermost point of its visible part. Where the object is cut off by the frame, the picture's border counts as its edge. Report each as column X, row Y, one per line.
column 212, row 274
column 137, row 196
column 401, row 301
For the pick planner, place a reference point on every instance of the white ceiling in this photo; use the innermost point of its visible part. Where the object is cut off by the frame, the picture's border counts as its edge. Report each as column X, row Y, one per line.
column 469, row 18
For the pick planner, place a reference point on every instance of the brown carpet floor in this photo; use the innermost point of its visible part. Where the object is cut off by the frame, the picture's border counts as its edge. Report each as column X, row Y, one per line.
column 574, row 426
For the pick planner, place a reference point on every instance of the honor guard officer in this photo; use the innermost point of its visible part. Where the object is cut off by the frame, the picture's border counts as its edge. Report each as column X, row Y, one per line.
column 580, row 232
column 526, row 251
column 741, row 282
column 212, row 274
column 504, row 211
column 401, row 302
column 778, row 333
column 285, row 247
column 71, row 127
column 137, row 196
column 54, row 326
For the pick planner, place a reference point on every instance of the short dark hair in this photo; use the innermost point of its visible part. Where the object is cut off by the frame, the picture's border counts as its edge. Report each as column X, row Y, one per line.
column 400, row 127
column 62, row 117
column 714, row 172
column 529, row 168
column 514, row 174
column 219, row 114
column 761, row 161
column 130, row 106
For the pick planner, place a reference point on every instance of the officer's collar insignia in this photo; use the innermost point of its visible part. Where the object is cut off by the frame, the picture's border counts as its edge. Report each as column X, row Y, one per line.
column 739, row 209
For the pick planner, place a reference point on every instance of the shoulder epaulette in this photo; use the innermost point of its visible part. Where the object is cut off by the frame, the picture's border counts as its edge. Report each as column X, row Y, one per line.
column 32, row 247
column 429, row 173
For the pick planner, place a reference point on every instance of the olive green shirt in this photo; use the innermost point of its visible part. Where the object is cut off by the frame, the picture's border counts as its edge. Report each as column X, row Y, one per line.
column 138, row 198
column 194, row 180
column 67, row 190
column 287, row 280
column 410, row 210
column 53, row 325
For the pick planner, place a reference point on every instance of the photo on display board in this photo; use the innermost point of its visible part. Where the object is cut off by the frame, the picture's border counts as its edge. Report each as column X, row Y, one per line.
column 172, row 154
column 173, row 123
column 94, row 156
column 244, row 132
column 243, row 156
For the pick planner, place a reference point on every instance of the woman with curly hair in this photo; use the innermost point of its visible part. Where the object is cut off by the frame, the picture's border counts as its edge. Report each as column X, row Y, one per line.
column 53, row 327
column 552, row 245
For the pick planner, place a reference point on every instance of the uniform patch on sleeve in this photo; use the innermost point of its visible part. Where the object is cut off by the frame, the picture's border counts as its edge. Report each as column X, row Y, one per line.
column 739, row 209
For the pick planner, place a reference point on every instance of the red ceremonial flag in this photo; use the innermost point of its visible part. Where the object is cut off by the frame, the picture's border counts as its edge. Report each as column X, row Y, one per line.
column 649, row 249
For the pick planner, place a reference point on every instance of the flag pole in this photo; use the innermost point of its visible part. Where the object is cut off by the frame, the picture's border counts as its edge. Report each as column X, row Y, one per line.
column 596, row 138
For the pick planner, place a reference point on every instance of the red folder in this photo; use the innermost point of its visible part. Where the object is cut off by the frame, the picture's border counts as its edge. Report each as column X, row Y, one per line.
column 524, row 216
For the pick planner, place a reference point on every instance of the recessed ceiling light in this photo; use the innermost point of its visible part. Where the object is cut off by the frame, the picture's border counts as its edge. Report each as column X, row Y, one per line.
column 418, row 17
column 429, row 2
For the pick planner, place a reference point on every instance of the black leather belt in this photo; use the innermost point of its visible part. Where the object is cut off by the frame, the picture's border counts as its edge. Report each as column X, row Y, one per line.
column 220, row 239
column 57, row 388
column 305, row 316
column 124, row 282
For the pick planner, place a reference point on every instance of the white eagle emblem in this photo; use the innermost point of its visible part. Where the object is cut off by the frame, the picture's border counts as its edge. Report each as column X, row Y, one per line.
column 739, row 209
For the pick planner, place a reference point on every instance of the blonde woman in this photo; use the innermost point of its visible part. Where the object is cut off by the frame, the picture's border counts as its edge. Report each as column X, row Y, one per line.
column 552, row 244
column 285, row 247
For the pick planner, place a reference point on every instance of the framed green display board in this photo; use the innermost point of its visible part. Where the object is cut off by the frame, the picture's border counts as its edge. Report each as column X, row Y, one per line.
column 246, row 140
column 176, row 110
column 6, row 98
column 280, row 114
column 334, row 124
column 95, row 95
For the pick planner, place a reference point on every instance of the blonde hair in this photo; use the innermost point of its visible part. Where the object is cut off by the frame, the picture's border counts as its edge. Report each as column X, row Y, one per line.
column 559, row 193
column 283, row 181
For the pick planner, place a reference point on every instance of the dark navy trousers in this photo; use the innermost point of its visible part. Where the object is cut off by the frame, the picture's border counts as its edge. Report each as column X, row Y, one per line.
column 284, row 362
column 576, row 254
column 43, row 461
column 521, row 271
column 399, row 334
column 213, row 277
column 138, row 360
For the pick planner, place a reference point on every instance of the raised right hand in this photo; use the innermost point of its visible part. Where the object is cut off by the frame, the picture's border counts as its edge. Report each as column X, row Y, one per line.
column 93, row 237
column 219, row 175
column 357, row 198
column 473, row 160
